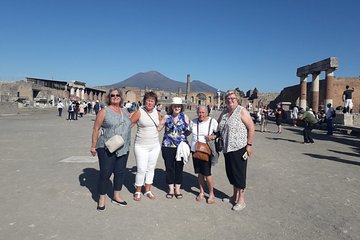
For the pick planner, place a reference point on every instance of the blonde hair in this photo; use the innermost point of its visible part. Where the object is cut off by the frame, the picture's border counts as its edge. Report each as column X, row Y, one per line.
column 236, row 93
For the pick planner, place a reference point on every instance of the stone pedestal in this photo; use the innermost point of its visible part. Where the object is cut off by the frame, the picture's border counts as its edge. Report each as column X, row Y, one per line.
column 348, row 119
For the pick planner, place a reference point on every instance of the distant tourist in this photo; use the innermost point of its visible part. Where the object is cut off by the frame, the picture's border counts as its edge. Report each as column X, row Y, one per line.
column 310, row 121
column 60, row 107
column 71, row 111
column 330, row 114
column 81, row 110
column 347, row 99
column 279, row 116
column 89, row 106
column 159, row 107
column 97, row 107
column 264, row 118
column 294, row 115
column 128, row 106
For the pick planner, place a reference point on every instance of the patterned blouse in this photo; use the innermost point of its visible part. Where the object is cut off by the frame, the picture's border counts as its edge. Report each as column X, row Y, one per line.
column 113, row 124
column 233, row 131
column 175, row 132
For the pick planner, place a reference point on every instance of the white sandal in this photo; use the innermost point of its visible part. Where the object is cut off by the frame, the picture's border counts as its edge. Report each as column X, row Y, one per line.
column 150, row 195
column 137, row 196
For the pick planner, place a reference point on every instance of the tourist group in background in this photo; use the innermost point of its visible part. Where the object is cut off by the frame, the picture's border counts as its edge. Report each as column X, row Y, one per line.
column 232, row 133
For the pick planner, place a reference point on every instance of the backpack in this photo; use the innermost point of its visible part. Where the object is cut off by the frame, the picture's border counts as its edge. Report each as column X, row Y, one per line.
column 70, row 108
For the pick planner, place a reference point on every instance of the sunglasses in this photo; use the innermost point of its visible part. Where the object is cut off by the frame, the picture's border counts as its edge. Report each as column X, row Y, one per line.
column 114, row 95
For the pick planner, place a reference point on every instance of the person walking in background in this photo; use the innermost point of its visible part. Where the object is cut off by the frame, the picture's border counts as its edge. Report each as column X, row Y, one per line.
column 81, row 110
column 97, row 107
column 264, row 118
column 203, row 129
column 89, row 107
column 279, row 115
column 294, row 115
column 237, row 130
column 310, row 121
column 76, row 109
column 71, row 110
column 176, row 129
column 347, row 99
column 112, row 120
column 330, row 114
column 147, row 146
column 60, row 107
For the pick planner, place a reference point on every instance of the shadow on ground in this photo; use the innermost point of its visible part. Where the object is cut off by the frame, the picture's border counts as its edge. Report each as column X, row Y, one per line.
column 89, row 179
column 332, row 158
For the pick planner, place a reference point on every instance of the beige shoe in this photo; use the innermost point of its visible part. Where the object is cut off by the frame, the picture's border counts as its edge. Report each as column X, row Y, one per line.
column 239, row 207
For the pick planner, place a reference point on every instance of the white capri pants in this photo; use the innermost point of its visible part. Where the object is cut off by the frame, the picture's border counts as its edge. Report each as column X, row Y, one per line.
column 146, row 157
column 348, row 103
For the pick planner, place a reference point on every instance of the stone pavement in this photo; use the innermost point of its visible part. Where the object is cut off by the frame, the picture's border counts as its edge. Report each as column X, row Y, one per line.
column 295, row 191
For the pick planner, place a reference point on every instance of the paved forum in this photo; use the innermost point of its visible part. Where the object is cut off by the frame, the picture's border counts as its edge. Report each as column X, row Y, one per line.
column 295, row 191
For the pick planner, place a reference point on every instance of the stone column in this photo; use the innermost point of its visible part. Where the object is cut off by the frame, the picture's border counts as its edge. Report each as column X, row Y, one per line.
column 78, row 92
column 187, row 86
column 329, row 82
column 72, row 91
column 303, row 88
column 315, row 91
column 218, row 99
column 82, row 94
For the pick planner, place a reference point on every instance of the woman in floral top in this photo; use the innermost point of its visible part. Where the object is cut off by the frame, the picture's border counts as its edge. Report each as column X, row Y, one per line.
column 237, row 130
column 176, row 126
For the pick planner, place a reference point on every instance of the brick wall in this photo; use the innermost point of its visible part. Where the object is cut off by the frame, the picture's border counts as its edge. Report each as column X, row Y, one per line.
column 292, row 93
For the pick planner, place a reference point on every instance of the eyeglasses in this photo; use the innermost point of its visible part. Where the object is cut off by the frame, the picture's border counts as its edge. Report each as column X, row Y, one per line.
column 114, row 95
column 231, row 98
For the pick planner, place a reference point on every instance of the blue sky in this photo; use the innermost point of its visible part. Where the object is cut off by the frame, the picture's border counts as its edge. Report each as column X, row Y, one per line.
column 224, row 43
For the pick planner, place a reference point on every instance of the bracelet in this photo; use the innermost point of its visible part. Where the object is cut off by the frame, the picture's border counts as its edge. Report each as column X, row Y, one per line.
column 249, row 144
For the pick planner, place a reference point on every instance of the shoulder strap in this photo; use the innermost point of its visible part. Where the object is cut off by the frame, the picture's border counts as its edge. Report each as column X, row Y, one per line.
column 197, row 126
column 209, row 126
column 150, row 117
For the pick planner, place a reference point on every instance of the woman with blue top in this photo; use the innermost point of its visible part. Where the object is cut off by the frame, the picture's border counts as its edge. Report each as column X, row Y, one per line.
column 176, row 130
column 112, row 120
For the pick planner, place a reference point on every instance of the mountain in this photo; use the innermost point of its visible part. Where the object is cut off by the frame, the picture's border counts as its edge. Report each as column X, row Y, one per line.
column 155, row 80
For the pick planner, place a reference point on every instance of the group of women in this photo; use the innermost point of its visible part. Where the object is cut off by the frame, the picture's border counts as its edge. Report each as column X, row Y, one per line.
column 234, row 125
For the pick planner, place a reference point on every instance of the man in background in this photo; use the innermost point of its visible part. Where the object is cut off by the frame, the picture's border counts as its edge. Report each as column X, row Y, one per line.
column 347, row 99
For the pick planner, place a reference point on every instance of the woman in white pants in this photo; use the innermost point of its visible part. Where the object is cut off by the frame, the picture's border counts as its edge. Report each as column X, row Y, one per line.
column 147, row 146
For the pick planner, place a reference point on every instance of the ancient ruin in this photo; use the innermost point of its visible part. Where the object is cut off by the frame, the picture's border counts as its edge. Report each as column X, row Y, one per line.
column 328, row 65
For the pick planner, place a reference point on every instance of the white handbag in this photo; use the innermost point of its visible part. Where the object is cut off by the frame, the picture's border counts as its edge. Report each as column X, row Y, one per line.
column 114, row 143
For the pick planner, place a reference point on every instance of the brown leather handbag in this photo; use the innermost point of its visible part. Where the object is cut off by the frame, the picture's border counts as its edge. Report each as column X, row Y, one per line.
column 202, row 150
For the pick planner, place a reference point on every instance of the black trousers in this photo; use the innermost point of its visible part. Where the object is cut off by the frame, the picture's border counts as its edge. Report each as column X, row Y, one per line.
column 110, row 164
column 307, row 133
column 174, row 169
column 236, row 167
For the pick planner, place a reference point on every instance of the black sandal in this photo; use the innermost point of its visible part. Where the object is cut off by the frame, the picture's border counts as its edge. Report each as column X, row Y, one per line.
column 178, row 196
column 169, row 195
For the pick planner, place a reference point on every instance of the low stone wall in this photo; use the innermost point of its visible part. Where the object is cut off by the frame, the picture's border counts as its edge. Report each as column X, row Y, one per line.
column 9, row 108
column 356, row 119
